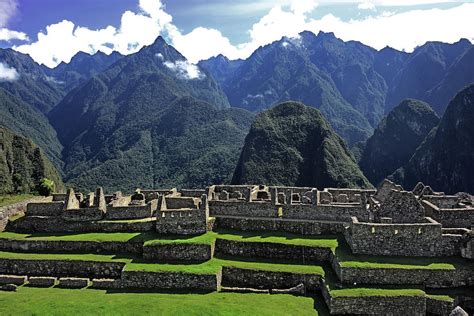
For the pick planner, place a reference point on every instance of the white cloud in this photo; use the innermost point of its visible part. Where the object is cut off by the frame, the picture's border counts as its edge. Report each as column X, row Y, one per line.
column 185, row 70
column 160, row 56
column 8, row 73
column 8, row 35
column 403, row 31
column 366, row 5
column 8, row 9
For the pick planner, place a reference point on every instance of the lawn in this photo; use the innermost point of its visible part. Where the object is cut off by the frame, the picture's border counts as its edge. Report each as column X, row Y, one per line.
column 31, row 301
column 13, row 199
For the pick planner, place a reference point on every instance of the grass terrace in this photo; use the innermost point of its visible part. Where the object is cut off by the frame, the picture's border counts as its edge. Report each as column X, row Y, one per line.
column 54, row 301
column 13, row 199
column 358, row 292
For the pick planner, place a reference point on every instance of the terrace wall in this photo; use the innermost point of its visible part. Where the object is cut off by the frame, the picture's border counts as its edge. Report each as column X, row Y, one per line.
column 258, row 279
column 60, row 268
column 270, row 250
column 171, row 280
column 176, row 252
column 62, row 246
column 244, row 209
column 303, row 227
column 341, row 213
column 45, row 209
column 418, row 239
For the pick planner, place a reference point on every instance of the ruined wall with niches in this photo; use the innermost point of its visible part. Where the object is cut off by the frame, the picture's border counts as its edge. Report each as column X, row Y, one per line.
column 174, row 203
column 132, row 211
column 171, row 280
column 83, row 214
column 353, row 195
column 341, row 213
column 258, row 279
column 402, row 207
column 62, row 268
column 185, row 222
column 247, row 209
column 45, row 209
column 243, row 191
column 420, row 239
column 303, row 227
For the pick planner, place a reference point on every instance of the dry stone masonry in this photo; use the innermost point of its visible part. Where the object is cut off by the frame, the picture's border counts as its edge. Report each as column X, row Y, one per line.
column 387, row 222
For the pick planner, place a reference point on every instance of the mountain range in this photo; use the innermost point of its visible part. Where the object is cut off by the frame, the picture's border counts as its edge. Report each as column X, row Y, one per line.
column 152, row 119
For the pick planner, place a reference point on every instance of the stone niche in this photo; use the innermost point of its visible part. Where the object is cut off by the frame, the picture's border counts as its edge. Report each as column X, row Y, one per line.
column 402, row 207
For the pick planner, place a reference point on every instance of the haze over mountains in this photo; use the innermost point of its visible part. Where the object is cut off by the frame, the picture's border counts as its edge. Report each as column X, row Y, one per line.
column 152, row 119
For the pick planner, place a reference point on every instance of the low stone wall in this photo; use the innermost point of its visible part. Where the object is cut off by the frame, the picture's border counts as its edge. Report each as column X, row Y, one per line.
column 12, row 210
column 379, row 305
column 58, row 225
column 455, row 218
column 83, row 214
column 419, row 239
column 62, row 246
column 240, row 208
column 303, row 227
column 61, row 268
column 258, row 279
column 45, row 209
column 272, row 250
column 439, row 307
column 178, row 252
column 341, row 213
column 128, row 212
column 170, row 281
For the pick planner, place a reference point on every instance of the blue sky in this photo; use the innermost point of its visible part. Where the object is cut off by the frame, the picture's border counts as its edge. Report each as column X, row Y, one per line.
column 201, row 29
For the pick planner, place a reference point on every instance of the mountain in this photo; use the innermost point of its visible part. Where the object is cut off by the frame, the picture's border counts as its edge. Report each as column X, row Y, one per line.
column 151, row 119
column 425, row 70
column 23, row 165
column 293, row 145
column 396, row 139
column 221, row 68
column 25, row 120
column 444, row 159
column 81, row 68
column 28, row 81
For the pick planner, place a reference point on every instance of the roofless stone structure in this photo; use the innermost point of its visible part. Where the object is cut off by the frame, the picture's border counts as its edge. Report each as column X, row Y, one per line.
column 385, row 223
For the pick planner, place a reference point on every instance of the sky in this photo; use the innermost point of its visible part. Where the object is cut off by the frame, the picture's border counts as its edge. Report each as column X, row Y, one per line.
column 53, row 31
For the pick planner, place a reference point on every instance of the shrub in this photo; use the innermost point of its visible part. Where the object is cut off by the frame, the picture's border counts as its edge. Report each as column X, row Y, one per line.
column 46, row 187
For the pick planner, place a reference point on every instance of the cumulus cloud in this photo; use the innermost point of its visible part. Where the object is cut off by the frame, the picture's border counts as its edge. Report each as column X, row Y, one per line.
column 8, row 9
column 185, row 70
column 8, row 35
column 366, row 5
column 8, row 73
column 403, row 31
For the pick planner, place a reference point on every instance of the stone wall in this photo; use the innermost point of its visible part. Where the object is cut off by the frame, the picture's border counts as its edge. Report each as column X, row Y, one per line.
column 131, row 212
column 170, row 280
column 45, row 209
column 181, row 222
column 341, row 213
column 176, row 203
column 378, row 305
column 303, row 254
column 240, row 208
column 83, row 214
column 196, row 193
column 258, row 279
column 59, row 268
column 303, row 227
column 58, row 225
column 62, row 246
column 176, row 252
column 439, row 307
column 419, row 239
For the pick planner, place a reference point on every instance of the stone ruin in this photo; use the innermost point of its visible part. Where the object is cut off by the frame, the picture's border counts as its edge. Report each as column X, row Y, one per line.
column 388, row 221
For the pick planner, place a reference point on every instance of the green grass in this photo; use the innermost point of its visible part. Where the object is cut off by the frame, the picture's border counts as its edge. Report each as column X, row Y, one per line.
column 446, row 298
column 376, row 292
column 207, row 239
column 281, row 238
column 80, row 257
column 33, row 301
column 214, row 265
column 13, row 199
column 348, row 260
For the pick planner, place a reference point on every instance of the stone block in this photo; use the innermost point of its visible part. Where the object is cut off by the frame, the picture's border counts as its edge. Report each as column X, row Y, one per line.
column 8, row 287
column 42, row 281
column 73, row 283
column 12, row 279
column 105, row 284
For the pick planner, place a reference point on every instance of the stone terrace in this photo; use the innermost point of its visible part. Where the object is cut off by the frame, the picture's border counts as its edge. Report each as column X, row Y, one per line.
column 383, row 252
